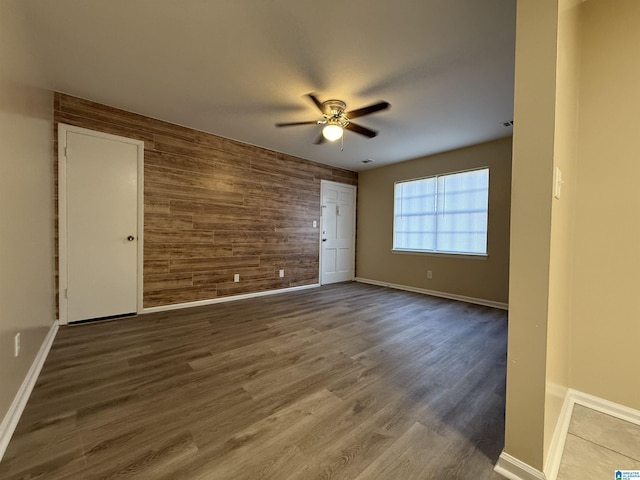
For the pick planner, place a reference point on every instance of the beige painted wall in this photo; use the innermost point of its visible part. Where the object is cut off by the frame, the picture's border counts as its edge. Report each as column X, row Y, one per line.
column 485, row 279
column 533, row 148
column 574, row 320
column 606, row 310
column 26, row 204
column 562, row 213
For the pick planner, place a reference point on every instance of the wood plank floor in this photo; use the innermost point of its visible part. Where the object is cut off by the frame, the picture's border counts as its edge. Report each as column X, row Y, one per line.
column 346, row 381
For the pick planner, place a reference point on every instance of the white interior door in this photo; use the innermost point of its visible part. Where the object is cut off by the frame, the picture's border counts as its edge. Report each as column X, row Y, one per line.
column 101, row 224
column 337, row 251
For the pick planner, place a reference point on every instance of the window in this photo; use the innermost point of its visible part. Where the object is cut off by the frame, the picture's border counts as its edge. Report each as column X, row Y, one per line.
column 446, row 213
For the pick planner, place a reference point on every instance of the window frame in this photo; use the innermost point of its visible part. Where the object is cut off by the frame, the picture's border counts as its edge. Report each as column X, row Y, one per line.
column 441, row 253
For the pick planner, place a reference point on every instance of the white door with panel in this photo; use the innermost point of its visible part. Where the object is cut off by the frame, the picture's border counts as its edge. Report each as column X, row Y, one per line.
column 337, row 251
column 100, row 224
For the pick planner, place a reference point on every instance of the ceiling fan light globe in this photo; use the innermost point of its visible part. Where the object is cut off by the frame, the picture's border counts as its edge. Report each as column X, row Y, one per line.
column 332, row 132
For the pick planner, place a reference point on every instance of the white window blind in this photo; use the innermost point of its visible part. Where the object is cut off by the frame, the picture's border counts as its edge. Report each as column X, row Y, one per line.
column 445, row 213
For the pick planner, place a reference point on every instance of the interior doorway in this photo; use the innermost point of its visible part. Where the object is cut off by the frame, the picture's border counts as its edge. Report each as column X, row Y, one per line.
column 338, row 232
column 100, row 224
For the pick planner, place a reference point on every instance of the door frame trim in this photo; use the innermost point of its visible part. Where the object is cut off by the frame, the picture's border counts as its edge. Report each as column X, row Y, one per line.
column 353, row 240
column 63, row 129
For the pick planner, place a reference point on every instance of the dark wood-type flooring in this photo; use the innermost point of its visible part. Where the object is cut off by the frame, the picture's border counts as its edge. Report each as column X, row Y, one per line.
column 347, row 381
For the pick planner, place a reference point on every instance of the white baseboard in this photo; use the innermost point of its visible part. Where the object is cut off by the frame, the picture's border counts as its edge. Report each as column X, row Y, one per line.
column 10, row 420
column 554, row 455
column 573, row 397
column 616, row 410
column 201, row 303
column 435, row 293
column 514, row 469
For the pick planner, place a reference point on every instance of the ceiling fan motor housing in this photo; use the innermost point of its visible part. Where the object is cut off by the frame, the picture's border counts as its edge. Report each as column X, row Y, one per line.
column 336, row 119
column 334, row 112
column 334, row 107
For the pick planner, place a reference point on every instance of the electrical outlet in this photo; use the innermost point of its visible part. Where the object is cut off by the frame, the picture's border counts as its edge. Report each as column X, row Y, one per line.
column 16, row 345
column 429, row 274
column 236, row 277
column 281, row 273
column 315, row 224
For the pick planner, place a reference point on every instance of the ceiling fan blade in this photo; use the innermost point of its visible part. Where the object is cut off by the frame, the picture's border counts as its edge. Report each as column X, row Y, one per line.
column 291, row 124
column 320, row 140
column 317, row 102
column 361, row 130
column 376, row 107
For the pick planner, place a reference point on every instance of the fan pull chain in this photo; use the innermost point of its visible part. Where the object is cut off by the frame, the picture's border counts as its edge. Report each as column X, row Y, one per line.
column 342, row 143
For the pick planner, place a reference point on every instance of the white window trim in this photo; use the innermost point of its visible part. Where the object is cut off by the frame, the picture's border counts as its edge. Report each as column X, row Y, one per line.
column 475, row 256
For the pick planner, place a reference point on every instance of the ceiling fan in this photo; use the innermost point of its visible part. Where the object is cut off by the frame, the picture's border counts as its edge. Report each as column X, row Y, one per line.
column 336, row 120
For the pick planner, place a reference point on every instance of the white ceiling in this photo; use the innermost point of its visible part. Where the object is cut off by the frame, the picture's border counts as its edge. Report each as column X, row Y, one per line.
column 236, row 67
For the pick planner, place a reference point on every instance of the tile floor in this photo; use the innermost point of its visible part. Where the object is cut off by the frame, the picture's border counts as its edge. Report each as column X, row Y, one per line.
column 597, row 445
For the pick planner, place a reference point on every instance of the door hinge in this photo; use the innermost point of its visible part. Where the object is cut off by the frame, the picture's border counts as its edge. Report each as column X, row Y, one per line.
column 66, row 293
column 66, row 151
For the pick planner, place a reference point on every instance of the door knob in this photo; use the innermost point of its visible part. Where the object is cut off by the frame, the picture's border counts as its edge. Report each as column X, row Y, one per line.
column 131, row 238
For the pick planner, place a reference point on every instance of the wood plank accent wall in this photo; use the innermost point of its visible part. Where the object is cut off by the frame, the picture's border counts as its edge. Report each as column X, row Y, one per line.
column 215, row 207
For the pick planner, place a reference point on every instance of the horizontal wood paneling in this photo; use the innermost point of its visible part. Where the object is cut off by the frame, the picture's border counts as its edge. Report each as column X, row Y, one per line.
column 215, row 207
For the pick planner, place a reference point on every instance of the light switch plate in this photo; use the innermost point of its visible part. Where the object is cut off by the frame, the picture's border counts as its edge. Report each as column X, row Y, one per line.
column 557, row 183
